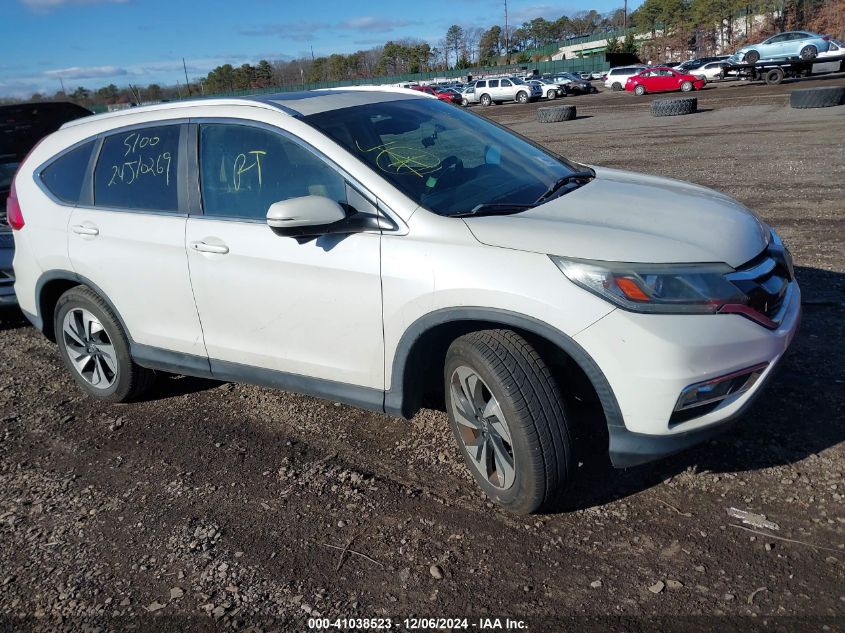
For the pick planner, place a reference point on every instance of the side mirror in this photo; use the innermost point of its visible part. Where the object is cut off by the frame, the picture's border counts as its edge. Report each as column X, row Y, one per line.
column 304, row 212
column 311, row 216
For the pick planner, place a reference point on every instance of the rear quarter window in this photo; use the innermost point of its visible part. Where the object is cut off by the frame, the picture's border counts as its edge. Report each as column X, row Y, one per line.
column 64, row 176
column 136, row 170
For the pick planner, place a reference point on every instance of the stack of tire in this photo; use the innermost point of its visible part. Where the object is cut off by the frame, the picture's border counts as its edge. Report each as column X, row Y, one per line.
column 817, row 97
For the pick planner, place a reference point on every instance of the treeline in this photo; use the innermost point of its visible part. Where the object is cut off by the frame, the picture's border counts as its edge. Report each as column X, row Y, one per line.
column 111, row 94
column 677, row 27
column 460, row 47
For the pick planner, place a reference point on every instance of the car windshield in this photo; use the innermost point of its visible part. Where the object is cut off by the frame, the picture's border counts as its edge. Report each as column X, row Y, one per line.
column 444, row 158
column 517, row 81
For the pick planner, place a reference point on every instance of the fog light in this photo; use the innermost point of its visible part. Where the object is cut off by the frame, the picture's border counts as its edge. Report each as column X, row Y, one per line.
column 717, row 389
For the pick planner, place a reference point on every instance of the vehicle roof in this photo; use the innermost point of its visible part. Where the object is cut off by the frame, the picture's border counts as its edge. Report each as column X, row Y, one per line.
column 300, row 103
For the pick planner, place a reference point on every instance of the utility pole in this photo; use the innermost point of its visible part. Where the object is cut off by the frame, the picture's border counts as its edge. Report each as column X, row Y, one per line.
column 625, row 19
column 187, row 83
column 62, row 81
column 507, row 37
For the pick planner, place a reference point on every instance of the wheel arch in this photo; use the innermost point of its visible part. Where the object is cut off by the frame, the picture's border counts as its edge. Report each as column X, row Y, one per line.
column 417, row 360
column 53, row 284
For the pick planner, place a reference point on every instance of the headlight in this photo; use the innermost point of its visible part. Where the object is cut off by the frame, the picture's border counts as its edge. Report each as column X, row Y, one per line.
column 660, row 288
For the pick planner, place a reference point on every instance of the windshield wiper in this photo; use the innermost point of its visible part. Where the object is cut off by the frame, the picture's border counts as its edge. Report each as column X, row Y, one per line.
column 560, row 182
column 492, row 208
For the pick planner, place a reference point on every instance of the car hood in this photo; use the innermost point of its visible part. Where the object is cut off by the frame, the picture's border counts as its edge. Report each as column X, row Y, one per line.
column 628, row 217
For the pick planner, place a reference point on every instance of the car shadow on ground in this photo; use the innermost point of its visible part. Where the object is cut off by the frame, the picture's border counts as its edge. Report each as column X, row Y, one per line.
column 11, row 318
column 799, row 413
column 173, row 385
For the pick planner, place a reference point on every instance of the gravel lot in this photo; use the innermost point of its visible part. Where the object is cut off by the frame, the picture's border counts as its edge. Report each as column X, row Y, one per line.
column 214, row 505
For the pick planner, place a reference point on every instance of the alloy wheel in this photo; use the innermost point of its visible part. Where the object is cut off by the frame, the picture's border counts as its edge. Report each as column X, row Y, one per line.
column 484, row 431
column 89, row 348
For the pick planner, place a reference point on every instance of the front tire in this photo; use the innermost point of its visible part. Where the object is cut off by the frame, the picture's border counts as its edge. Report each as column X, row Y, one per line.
column 639, row 90
column 752, row 57
column 508, row 417
column 551, row 95
column 522, row 97
column 686, row 86
column 95, row 349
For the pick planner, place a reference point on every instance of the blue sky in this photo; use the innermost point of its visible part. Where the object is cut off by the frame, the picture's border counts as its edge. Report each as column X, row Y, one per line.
column 97, row 42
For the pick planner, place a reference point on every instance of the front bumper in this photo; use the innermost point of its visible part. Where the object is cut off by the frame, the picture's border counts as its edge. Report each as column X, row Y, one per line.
column 649, row 359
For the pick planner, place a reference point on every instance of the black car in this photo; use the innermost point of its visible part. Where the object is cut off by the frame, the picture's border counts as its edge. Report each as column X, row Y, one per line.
column 21, row 127
column 695, row 64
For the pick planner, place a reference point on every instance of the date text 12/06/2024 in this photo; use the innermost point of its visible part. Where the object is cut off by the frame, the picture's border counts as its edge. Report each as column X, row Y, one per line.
column 418, row 624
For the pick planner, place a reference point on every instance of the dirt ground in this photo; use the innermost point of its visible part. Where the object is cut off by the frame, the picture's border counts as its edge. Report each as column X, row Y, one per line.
column 215, row 505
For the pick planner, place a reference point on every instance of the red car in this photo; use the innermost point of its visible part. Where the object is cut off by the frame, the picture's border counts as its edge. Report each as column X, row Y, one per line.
column 450, row 96
column 663, row 79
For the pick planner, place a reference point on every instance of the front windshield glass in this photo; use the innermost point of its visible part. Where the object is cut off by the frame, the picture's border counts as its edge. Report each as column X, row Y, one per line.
column 517, row 81
column 442, row 157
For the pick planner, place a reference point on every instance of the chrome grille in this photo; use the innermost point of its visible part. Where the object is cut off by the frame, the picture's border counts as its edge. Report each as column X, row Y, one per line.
column 765, row 279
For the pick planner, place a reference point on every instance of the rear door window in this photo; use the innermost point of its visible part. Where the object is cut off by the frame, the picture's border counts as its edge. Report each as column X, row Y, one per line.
column 136, row 170
column 65, row 175
column 494, row 83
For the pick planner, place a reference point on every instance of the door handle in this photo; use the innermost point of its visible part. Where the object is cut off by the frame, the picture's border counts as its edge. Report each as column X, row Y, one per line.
column 204, row 247
column 81, row 229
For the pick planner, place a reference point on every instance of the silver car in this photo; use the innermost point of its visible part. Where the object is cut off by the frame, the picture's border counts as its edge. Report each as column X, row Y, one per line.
column 803, row 44
column 549, row 89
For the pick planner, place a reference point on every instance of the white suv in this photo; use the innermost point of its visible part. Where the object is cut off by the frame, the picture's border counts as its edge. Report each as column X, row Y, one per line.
column 616, row 77
column 501, row 89
column 384, row 249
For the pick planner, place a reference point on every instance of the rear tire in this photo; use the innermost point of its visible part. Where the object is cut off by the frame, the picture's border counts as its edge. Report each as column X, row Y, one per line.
column 616, row 86
column 809, row 52
column 774, row 76
column 465, row 103
column 509, row 420
column 95, row 349
column 752, row 57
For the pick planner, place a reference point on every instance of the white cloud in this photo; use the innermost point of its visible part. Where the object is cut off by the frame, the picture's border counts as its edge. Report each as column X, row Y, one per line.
column 89, row 72
column 373, row 24
column 47, row 5
column 304, row 31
